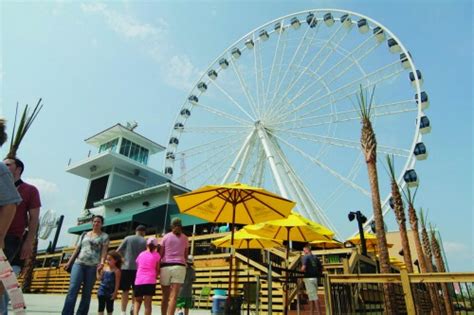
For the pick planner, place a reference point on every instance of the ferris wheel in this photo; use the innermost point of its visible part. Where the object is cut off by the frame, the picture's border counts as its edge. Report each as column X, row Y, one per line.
column 277, row 109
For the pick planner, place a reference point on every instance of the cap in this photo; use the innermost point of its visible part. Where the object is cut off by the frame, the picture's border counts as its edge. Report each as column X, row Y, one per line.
column 152, row 240
column 190, row 259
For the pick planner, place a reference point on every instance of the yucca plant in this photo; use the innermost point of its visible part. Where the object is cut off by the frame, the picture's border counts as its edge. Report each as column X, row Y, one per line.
column 448, row 305
column 19, row 132
column 399, row 210
column 368, row 144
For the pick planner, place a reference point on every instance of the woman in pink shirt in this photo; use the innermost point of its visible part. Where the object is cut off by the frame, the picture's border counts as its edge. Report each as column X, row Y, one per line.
column 174, row 251
column 148, row 268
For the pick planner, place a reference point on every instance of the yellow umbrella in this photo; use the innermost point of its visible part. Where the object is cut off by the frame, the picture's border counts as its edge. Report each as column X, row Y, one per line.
column 244, row 239
column 234, row 203
column 294, row 228
column 327, row 244
column 370, row 241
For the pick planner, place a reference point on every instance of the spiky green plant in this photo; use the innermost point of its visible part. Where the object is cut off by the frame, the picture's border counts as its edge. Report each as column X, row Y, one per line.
column 24, row 124
column 368, row 144
column 399, row 210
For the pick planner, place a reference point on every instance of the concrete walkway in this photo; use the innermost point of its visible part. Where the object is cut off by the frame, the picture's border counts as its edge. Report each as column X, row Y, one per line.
column 52, row 304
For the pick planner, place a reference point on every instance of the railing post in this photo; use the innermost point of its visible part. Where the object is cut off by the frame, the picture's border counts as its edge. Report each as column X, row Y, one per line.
column 327, row 293
column 410, row 305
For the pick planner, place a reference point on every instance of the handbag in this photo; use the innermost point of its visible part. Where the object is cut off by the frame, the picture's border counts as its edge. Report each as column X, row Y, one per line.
column 73, row 259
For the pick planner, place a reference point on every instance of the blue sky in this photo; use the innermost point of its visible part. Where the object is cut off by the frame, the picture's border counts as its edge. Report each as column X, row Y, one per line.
column 96, row 64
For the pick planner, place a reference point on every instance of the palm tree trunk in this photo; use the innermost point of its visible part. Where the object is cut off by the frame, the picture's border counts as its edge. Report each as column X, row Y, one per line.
column 429, row 267
column 441, row 268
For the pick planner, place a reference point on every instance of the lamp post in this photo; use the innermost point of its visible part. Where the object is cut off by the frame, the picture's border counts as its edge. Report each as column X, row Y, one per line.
column 361, row 219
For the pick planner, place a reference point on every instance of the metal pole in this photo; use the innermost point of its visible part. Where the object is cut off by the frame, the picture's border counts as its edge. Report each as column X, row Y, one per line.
column 361, row 232
column 56, row 235
column 269, row 280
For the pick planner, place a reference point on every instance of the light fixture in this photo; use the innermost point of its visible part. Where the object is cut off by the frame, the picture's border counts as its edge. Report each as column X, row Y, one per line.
column 146, row 203
column 93, row 168
column 118, row 210
column 361, row 219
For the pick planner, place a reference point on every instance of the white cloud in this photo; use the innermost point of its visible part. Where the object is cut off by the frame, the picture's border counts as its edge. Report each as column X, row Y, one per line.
column 178, row 70
column 43, row 185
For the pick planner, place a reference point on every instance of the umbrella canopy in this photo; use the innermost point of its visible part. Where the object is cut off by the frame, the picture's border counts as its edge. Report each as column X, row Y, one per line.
column 294, row 228
column 244, row 239
column 234, row 203
column 370, row 241
column 327, row 244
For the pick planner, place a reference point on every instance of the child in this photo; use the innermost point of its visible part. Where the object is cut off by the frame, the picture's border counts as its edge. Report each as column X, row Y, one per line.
column 109, row 278
column 185, row 298
column 148, row 268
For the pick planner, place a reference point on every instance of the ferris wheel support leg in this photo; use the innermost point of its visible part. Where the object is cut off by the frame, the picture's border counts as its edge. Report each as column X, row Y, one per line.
column 245, row 160
column 272, row 161
column 238, row 157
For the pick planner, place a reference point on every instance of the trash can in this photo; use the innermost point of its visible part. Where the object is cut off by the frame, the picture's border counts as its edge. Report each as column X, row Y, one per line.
column 218, row 304
column 233, row 306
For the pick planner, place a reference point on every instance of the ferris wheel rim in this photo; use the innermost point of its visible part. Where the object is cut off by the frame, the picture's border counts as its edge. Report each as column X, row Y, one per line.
column 410, row 161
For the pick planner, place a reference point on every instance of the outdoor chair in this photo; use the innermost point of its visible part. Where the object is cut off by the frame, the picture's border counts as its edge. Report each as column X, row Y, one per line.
column 204, row 295
column 250, row 296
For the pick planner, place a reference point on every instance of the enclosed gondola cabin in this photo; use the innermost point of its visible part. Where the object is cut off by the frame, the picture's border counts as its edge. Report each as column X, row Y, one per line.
column 418, row 76
column 379, row 34
column 185, row 113
column 425, row 125
column 249, row 43
column 420, row 151
column 425, row 103
column 212, row 74
column 193, row 99
column 263, row 35
column 279, row 28
column 328, row 19
column 295, row 23
column 311, row 20
column 346, row 21
column 411, row 178
column 393, row 46
column 223, row 63
column 178, row 126
column 404, row 60
column 202, row 87
column 235, row 52
column 363, row 26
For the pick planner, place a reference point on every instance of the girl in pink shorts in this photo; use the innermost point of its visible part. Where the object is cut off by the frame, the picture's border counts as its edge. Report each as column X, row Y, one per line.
column 148, row 269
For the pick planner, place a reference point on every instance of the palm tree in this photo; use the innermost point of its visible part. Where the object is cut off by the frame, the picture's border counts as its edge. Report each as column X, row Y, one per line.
column 369, row 149
column 429, row 262
column 413, row 218
column 441, row 268
column 400, row 214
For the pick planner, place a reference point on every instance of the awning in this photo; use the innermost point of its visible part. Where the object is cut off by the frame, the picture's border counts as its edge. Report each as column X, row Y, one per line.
column 149, row 216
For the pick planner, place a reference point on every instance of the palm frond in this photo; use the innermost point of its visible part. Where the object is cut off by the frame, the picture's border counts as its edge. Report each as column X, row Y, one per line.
column 24, row 125
column 365, row 108
column 391, row 167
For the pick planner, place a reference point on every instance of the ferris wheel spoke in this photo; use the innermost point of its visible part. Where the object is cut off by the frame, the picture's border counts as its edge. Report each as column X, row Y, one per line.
column 230, row 98
column 353, row 144
column 197, row 169
column 258, row 69
column 213, row 129
column 290, row 66
column 259, row 169
column 331, row 46
column 245, row 89
column 382, row 74
column 205, row 147
column 220, row 113
column 216, row 170
column 325, row 167
column 306, row 121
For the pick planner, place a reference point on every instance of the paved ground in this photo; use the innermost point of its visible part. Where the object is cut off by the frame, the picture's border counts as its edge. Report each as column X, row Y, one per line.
column 52, row 304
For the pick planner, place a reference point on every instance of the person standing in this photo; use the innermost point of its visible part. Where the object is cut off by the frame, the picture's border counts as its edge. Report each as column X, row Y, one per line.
column 185, row 298
column 109, row 278
column 174, row 251
column 21, row 235
column 312, row 268
column 148, row 268
column 9, row 199
column 91, row 253
column 130, row 248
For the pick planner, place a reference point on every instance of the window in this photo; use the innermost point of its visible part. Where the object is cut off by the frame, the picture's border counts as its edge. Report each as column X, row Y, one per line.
column 96, row 191
column 109, row 146
column 125, row 148
column 134, row 151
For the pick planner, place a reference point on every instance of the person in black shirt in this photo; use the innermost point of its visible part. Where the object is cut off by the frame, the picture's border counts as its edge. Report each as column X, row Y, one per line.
column 312, row 269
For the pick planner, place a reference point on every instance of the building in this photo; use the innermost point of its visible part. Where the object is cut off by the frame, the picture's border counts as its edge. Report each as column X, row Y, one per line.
column 123, row 188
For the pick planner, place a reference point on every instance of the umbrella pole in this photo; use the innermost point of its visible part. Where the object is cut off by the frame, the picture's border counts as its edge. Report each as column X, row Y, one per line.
column 229, row 300
column 248, row 275
column 287, row 269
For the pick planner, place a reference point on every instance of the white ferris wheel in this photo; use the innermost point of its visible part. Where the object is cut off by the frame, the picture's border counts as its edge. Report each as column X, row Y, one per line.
column 277, row 109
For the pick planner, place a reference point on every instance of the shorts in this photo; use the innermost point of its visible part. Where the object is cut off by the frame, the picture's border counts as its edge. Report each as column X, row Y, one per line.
column 127, row 280
column 311, row 285
column 105, row 301
column 172, row 274
column 184, row 302
column 144, row 290
column 12, row 248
